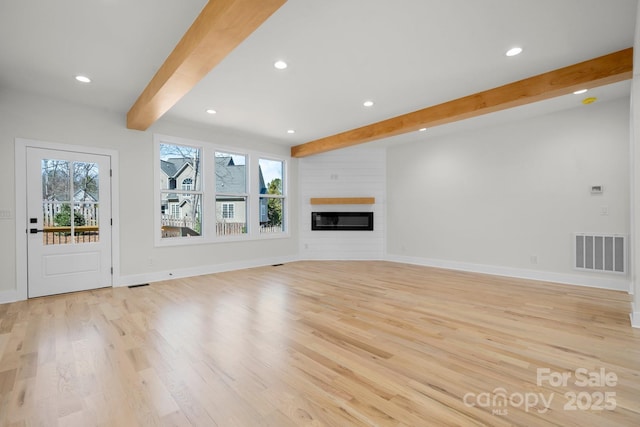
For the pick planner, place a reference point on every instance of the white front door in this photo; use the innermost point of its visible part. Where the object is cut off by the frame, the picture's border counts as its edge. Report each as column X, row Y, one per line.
column 68, row 221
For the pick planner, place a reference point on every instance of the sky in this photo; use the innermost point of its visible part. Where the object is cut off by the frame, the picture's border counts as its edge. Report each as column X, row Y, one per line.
column 271, row 169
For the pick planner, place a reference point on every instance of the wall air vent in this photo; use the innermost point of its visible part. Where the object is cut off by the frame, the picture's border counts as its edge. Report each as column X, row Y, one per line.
column 600, row 252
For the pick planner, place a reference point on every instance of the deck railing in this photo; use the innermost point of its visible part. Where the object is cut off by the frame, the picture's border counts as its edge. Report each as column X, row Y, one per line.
column 88, row 211
column 86, row 214
column 183, row 227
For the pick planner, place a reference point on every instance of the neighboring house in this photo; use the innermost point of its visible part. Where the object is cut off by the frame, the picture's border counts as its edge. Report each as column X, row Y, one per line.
column 230, row 182
column 231, row 189
column 178, row 174
column 86, row 196
column 86, row 204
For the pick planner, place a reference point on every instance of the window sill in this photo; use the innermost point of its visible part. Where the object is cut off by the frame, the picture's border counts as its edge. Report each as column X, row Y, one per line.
column 196, row 241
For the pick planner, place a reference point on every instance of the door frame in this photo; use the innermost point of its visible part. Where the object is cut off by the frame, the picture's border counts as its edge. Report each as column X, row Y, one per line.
column 20, row 164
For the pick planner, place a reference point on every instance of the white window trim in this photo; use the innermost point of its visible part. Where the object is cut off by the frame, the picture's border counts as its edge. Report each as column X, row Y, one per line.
column 209, row 194
column 158, row 239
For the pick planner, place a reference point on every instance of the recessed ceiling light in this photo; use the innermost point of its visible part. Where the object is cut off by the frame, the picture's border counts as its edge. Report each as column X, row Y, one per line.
column 368, row 103
column 514, row 51
column 291, row 131
column 280, row 65
column 580, row 92
column 210, row 111
column 422, row 129
column 83, row 79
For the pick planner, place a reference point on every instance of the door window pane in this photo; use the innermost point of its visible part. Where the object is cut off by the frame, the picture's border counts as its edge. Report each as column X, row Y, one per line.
column 55, row 180
column 70, row 199
column 86, row 228
column 86, row 193
column 56, row 195
column 56, row 223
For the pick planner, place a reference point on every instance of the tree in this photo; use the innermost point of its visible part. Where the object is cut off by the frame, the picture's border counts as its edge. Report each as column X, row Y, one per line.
column 63, row 218
column 274, row 205
column 55, row 180
column 85, row 181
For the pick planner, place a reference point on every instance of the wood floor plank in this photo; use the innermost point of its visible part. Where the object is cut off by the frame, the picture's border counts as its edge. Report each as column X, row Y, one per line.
column 315, row 344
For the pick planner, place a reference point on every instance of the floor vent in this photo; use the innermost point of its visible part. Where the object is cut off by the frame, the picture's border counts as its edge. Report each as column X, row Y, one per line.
column 600, row 252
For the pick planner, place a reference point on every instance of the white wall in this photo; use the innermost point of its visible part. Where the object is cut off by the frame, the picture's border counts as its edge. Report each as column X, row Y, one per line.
column 492, row 198
column 506, row 199
column 352, row 172
column 635, row 175
column 26, row 116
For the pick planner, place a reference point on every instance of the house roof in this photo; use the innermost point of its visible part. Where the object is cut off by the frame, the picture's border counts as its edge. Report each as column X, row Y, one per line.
column 88, row 195
column 230, row 178
column 261, row 184
column 172, row 167
column 402, row 55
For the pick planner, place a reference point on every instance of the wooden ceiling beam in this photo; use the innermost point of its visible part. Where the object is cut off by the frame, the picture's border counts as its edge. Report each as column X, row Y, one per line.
column 612, row 68
column 219, row 28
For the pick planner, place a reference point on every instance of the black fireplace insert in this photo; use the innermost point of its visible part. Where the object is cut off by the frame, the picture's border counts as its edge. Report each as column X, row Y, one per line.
column 342, row 221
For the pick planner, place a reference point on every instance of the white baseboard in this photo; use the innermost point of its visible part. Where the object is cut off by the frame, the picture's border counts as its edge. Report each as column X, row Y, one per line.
column 597, row 282
column 8, row 296
column 635, row 319
column 328, row 257
column 613, row 283
column 137, row 279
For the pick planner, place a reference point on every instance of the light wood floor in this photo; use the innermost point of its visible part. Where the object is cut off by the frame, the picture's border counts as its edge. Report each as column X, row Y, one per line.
column 320, row 344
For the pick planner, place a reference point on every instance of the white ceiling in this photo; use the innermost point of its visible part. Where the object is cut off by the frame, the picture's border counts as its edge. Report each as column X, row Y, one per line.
column 403, row 54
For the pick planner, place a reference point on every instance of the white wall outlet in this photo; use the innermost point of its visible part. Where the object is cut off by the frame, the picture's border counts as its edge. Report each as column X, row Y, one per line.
column 604, row 210
column 533, row 259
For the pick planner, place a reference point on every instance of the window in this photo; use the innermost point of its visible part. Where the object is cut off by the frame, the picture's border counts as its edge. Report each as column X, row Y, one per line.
column 272, row 197
column 180, row 163
column 231, row 193
column 70, row 202
column 175, row 211
column 228, row 210
column 186, row 184
column 209, row 194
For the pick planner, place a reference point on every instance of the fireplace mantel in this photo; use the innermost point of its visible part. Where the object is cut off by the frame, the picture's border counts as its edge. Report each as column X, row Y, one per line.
column 343, row 200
